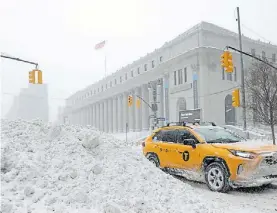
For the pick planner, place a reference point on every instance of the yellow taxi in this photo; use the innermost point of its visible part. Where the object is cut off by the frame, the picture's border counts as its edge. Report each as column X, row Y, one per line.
column 211, row 154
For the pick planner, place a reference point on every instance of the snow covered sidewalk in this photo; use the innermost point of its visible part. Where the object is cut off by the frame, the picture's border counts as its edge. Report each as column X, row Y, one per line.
column 73, row 169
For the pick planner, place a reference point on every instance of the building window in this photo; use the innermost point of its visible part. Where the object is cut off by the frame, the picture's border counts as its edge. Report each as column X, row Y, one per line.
column 111, row 83
column 235, row 74
column 126, row 76
column 185, row 75
column 120, row 79
column 161, row 58
column 223, row 73
column 106, row 86
column 263, row 55
column 253, row 52
column 132, row 73
column 180, row 77
column 94, row 91
column 102, row 88
column 175, row 77
column 115, row 82
column 138, row 70
column 145, row 67
column 229, row 76
column 153, row 64
column 274, row 57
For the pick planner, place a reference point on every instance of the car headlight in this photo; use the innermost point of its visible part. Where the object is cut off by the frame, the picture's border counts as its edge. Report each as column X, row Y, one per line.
column 243, row 154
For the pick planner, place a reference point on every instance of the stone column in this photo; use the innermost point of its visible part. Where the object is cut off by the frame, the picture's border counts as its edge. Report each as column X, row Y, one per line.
column 88, row 113
column 91, row 115
column 131, row 110
column 98, row 115
column 101, row 119
column 160, row 102
column 105, row 120
column 94, row 115
column 166, row 97
column 83, row 117
column 115, row 113
column 110, row 115
column 125, row 114
column 145, row 108
column 151, row 101
column 137, row 110
column 119, row 113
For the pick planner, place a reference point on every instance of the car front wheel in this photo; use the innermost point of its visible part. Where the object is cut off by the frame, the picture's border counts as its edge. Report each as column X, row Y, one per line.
column 153, row 159
column 217, row 178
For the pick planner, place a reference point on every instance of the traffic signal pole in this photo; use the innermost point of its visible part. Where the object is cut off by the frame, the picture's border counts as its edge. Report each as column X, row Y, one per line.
column 18, row 59
column 242, row 74
column 258, row 59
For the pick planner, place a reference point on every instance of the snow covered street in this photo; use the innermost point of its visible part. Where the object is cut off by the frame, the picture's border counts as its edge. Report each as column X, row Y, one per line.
column 60, row 168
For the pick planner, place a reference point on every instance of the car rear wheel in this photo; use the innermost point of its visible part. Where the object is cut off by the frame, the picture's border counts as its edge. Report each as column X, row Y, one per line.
column 153, row 159
column 217, row 178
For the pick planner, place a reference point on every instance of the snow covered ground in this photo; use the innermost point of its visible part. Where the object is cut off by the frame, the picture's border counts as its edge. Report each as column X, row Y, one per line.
column 62, row 168
column 46, row 168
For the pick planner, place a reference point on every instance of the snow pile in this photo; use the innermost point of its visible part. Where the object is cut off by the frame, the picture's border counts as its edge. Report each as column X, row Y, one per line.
column 72, row 169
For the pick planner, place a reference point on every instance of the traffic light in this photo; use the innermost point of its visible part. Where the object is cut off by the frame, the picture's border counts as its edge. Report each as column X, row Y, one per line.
column 130, row 100
column 235, row 98
column 227, row 61
column 39, row 77
column 138, row 103
column 32, row 77
column 35, row 79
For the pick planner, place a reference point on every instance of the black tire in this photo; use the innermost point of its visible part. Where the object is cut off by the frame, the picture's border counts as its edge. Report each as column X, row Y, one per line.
column 217, row 177
column 153, row 159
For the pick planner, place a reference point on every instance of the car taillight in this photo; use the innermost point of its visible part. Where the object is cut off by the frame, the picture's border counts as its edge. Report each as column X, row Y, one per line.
column 143, row 144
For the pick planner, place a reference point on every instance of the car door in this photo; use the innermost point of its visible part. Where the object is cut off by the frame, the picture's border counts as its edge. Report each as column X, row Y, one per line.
column 168, row 148
column 186, row 156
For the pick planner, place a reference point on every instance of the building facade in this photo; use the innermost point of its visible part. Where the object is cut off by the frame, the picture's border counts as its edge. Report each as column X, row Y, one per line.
column 182, row 77
column 31, row 103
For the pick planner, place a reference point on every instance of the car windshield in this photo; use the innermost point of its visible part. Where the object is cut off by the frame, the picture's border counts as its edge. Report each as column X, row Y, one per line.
column 217, row 135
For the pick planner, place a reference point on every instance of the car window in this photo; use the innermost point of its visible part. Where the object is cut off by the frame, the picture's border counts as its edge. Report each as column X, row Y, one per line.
column 217, row 135
column 158, row 136
column 169, row 136
column 183, row 134
column 165, row 136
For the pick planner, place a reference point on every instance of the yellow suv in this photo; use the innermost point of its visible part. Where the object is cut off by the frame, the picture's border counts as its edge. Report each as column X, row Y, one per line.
column 211, row 154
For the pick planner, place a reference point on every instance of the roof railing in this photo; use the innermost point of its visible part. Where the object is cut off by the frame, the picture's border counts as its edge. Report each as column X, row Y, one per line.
column 188, row 124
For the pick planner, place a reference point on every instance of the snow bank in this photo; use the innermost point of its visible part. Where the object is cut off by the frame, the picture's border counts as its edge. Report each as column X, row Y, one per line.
column 72, row 169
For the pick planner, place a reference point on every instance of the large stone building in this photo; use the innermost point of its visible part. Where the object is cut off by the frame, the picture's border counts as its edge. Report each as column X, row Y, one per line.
column 31, row 103
column 184, row 74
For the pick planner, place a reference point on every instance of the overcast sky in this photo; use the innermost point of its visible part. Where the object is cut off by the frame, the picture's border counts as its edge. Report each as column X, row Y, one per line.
column 60, row 35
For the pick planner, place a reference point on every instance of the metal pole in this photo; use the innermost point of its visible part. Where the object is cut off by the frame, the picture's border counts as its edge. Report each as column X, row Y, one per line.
column 18, row 59
column 126, row 131
column 105, row 66
column 242, row 74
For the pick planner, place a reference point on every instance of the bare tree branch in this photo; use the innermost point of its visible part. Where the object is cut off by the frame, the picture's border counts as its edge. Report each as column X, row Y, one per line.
column 261, row 87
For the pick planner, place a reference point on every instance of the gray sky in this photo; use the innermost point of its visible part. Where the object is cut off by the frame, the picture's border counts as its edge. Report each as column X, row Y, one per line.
column 60, row 35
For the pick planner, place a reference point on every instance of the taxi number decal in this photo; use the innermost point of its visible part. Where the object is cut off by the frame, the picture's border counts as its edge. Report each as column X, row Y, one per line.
column 185, row 155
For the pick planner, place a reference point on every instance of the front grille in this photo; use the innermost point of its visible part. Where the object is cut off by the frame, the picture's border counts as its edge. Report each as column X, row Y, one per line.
column 271, row 160
column 270, row 176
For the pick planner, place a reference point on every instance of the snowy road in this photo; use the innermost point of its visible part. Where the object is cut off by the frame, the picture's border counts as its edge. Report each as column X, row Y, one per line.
column 243, row 200
column 261, row 199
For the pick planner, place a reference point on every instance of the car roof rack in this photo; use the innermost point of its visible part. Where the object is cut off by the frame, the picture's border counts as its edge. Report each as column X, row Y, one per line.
column 188, row 124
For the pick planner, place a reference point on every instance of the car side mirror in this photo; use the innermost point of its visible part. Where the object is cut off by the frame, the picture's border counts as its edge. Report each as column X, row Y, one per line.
column 190, row 142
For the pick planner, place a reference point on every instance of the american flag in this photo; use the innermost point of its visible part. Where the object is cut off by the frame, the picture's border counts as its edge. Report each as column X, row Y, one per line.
column 100, row 45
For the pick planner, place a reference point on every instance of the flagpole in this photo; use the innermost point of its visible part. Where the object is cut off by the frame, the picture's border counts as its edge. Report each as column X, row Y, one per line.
column 105, row 65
